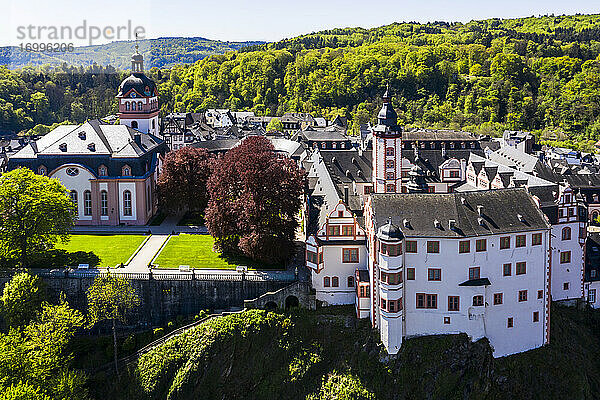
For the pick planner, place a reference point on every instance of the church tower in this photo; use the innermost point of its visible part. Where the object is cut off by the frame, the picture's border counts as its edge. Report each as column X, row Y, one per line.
column 138, row 98
column 387, row 150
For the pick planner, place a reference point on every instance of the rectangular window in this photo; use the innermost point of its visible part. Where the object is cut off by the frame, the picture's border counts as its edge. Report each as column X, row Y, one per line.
column 390, row 164
column 509, row 323
column 536, row 239
column 411, row 246
column 383, row 304
column 103, row 203
column 311, row 257
column 521, row 268
column 335, row 282
column 434, row 274
column 390, row 188
column 433, row 246
column 368, row 189
column 454, row 174
column 453, row 303
column 481, row 245
column 478, row 300
column 565, row 257
column 464, row 246
column 592, row 295
column 350, row 255
column 420, row 300
column 566, row 286
column 522, row 295
column 348, row 230
column 507, row 269
column 410, row 274
column 334, row 230
column 536, row 316
column 498, row 298
column 127, row 203
column 326, row 281
column 431, row 300
column 521, row 241
column 447, row 320
column 540, row 294
column 350, row 281
column 474, row 273
column 87, row 203
column 505, row 242
column 390, row 175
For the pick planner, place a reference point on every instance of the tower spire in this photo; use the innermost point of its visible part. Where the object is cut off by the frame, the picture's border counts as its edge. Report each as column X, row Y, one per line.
column 137, row 60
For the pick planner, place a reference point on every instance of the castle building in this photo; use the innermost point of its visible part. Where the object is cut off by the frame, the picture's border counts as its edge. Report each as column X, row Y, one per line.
column 110, row 170
column 420, row 257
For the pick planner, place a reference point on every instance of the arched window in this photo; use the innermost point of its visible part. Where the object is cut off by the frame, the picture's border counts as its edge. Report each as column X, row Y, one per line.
column 389, row 151
column 134, row 124
column 102, row 171
column 42, row 170
column 127, row 203
column 153, row 124
column 73, row 195
column 103, row 203
column 126, row 171
column 140, row 106
column 127, row 107
column 133, row 106
column 87, row 203
column 566, row 233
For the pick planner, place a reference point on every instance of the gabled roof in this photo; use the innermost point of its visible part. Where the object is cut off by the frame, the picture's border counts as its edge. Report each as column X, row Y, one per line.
column 503, row 211
column 512, row 157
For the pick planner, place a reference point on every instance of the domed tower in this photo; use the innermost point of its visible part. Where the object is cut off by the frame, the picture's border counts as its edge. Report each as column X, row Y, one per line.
column 417, row 183
column 387, row 150
column 138, row 98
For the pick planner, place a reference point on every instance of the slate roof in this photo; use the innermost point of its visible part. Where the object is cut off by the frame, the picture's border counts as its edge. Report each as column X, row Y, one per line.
column 500, row 212
column 91, row 138
column 514, row 158
column 437, row 135
column 431, row 160
column 218, row 145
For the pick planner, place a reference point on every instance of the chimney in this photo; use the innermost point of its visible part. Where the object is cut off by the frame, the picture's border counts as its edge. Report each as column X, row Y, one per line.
column 480, row 210
column 137, row 138
column 346, row 190
column 452, row 224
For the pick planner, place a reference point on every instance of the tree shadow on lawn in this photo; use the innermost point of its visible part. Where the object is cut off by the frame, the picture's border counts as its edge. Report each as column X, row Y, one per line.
column 238, row 259
column 57, row 258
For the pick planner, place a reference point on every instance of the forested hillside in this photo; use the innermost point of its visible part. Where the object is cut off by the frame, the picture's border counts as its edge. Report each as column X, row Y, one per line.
column 538, row 73
column 328, row 355
column 161, row 52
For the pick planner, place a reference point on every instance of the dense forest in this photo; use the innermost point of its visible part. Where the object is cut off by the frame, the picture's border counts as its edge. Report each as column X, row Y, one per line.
column 540, row 74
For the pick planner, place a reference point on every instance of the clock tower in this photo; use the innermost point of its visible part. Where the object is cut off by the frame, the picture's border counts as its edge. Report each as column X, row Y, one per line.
column 387, row 150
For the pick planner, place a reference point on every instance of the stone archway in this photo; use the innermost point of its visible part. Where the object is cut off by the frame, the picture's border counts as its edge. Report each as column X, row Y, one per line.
column 291, row 302
column 271, row 306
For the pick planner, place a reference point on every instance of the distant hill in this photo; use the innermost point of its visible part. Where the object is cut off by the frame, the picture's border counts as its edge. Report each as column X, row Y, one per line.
column 159, row 52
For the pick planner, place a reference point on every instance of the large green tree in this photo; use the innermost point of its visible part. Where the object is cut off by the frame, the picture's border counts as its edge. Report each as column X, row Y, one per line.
column 22, row 298
column 111, row 298
column 35, row 362
column 35, row 212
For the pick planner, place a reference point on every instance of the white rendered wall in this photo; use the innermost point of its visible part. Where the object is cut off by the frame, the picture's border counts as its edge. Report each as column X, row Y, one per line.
column 476, row 321
column 80, row 183
column 572, row 272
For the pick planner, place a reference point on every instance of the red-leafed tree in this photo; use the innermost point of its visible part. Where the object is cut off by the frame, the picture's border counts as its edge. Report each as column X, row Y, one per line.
column 182, row 181
column 255, row 197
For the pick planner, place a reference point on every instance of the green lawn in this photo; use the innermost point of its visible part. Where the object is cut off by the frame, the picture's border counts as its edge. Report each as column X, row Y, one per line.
column 112, row 249
column 196, row 251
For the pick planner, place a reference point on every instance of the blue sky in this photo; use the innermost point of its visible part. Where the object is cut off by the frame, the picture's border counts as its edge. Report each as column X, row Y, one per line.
column 269, row 20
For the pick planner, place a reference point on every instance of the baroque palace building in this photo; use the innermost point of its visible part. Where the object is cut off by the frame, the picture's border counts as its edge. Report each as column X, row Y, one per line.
column 110, row 170
column 388, row 231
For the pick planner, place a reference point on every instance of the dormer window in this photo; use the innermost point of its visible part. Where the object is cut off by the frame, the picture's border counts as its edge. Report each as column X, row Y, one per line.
column 102, row 171
column 62, row 147
column 91, row 147
column 81, row 135
column 126, row 171
column 42, row 170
